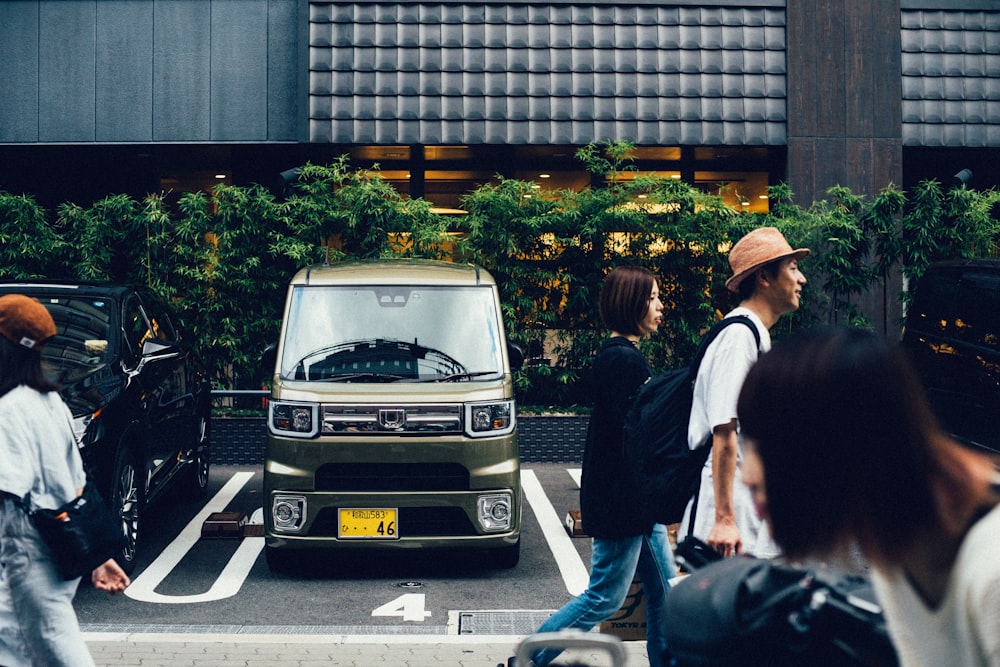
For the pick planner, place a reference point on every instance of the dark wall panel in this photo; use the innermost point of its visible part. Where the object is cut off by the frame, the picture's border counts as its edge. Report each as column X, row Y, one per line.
column 845, row 114
column 19, row 72
column 287, row 71
column 125, row 71
column 182, row 70
column 67, row 87
column 239, row 70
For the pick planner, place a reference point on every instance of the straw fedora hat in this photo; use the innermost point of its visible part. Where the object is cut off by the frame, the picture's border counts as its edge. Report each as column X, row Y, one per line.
column 762, row 245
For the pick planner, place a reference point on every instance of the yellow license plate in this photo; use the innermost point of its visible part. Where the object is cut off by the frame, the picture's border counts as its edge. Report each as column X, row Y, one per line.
column 368, row 524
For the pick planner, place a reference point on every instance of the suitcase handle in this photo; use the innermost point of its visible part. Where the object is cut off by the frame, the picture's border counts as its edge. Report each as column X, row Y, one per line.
column 571, row 639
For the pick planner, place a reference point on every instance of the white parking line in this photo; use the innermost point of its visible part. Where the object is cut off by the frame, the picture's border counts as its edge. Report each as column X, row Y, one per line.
column 571, row 566
column 230, row 580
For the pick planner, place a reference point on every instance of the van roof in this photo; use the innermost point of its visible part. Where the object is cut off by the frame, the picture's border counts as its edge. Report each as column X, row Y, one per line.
column 403, row 271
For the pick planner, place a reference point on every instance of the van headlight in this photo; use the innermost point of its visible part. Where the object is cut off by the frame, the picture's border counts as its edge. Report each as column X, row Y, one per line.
column 489, row 419
column 296, row 420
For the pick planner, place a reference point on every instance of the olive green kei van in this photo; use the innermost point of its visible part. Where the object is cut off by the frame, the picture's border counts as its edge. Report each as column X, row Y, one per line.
column 391, row 422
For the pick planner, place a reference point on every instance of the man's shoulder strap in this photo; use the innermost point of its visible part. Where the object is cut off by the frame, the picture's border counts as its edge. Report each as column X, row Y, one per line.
column 716, row 329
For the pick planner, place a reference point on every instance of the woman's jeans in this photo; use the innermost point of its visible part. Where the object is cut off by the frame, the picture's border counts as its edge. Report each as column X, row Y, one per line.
column 38, row 624
column 613, row 564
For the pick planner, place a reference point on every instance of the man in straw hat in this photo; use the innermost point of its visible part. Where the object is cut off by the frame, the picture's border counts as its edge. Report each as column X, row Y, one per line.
column 767, row 279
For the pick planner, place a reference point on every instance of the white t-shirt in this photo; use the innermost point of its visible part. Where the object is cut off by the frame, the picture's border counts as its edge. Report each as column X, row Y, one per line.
column 716, row 392
column 965, row 628
column 37, row 450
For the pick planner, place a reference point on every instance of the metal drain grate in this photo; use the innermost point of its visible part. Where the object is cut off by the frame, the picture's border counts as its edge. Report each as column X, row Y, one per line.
column 501, row 622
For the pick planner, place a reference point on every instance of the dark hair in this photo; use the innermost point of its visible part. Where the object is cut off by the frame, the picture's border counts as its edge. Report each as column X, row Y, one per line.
column 625, row 298
column 747, row 286
column 19, row 365
column 848, row 444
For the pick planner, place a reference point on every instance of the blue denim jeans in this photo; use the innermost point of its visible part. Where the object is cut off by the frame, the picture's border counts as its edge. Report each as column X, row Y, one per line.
column 38, row 624
column 614, row 563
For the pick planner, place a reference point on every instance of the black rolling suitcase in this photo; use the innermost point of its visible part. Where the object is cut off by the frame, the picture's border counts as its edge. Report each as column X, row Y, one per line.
column 747, row 611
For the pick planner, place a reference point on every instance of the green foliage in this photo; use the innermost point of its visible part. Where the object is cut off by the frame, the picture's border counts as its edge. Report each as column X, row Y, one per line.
column 30, row 248
column 223, row 259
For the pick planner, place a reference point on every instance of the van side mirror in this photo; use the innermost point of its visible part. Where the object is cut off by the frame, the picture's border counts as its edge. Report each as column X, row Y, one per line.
column 268, row 359
column 516, row 356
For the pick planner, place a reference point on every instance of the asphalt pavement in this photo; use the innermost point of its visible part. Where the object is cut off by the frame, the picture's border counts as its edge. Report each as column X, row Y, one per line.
column 177, row 646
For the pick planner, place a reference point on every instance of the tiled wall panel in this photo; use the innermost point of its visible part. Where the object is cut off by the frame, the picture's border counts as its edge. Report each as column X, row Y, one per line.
column 951, row 78
column 547, row 74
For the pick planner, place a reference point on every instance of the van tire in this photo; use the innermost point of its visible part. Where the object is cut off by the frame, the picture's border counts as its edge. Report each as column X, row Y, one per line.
column 285, row 561
column 506, row 558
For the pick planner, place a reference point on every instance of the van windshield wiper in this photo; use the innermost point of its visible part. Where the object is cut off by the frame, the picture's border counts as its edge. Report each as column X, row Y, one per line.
column 362, row 377
column 461, row 376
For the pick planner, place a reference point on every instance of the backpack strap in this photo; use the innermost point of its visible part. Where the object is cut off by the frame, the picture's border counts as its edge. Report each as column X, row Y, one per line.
column 711, row 335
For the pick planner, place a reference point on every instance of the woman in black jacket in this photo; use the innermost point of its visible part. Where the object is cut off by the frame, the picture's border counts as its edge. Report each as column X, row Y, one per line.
column 624, row 544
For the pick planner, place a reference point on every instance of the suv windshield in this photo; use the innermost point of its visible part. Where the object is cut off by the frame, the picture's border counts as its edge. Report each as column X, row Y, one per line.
column 391, row 334
column 82, row 336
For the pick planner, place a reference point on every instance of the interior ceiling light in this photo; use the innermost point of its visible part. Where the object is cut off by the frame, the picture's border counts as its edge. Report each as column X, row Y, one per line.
column 545, row 176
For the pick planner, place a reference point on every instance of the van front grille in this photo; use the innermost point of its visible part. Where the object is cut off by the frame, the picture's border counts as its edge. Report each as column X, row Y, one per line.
column 445, row 419
column 385, row 477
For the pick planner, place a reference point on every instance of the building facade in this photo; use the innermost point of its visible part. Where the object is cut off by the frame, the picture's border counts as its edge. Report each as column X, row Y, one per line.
column 140, row 96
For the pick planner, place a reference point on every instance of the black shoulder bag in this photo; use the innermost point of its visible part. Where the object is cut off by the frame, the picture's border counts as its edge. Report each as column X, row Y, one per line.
column 81, row 534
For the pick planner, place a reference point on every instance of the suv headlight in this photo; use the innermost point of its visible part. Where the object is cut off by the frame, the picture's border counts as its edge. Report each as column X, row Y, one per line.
column 489, row 419
column 296, row 420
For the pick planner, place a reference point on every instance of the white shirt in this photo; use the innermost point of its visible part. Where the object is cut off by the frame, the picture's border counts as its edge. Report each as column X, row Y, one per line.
column 964, row 629
column 716, row 392
column 37, row 450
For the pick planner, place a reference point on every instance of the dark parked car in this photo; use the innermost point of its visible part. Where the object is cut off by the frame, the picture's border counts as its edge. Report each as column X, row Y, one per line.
column 952, row 335
column 140, row 399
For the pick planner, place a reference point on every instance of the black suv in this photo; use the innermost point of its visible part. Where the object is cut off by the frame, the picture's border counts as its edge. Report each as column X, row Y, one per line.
column 952, row 335
column 140, row 399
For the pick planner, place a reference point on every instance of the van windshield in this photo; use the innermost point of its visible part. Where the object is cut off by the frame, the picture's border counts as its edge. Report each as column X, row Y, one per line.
column 386, row 333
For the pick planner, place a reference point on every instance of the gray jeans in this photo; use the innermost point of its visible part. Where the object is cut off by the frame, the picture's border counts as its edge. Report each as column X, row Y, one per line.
column 38, row 625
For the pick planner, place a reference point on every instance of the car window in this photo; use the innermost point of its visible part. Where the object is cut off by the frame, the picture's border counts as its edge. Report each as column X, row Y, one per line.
column 135, row 327
column 934, row 301
column 82, row 341
column 159, row 320
column 977, row 308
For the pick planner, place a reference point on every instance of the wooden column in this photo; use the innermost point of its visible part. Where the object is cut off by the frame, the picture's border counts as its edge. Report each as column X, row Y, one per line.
column 844, row 96
column 845, row 122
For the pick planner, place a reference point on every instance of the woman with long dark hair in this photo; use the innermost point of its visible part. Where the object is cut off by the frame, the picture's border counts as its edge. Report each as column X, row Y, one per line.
column 38, row 459
column 845, row 452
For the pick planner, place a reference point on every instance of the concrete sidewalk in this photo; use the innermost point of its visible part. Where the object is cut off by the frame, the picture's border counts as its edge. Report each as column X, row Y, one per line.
column 258, row 650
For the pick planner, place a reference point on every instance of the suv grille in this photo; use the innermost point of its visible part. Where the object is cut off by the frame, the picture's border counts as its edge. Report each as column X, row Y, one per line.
column 392, row 419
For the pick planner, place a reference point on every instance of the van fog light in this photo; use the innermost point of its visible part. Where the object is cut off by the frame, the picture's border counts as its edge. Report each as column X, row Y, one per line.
column 288, row 512
column 495, row 512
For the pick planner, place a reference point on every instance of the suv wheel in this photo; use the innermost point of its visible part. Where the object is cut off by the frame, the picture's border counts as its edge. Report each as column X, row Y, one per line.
column 195, row 482
column 127, row 504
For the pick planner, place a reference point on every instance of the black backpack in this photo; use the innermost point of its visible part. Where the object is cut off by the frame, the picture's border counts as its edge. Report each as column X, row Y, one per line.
column 747, row 611
column 666, row 471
